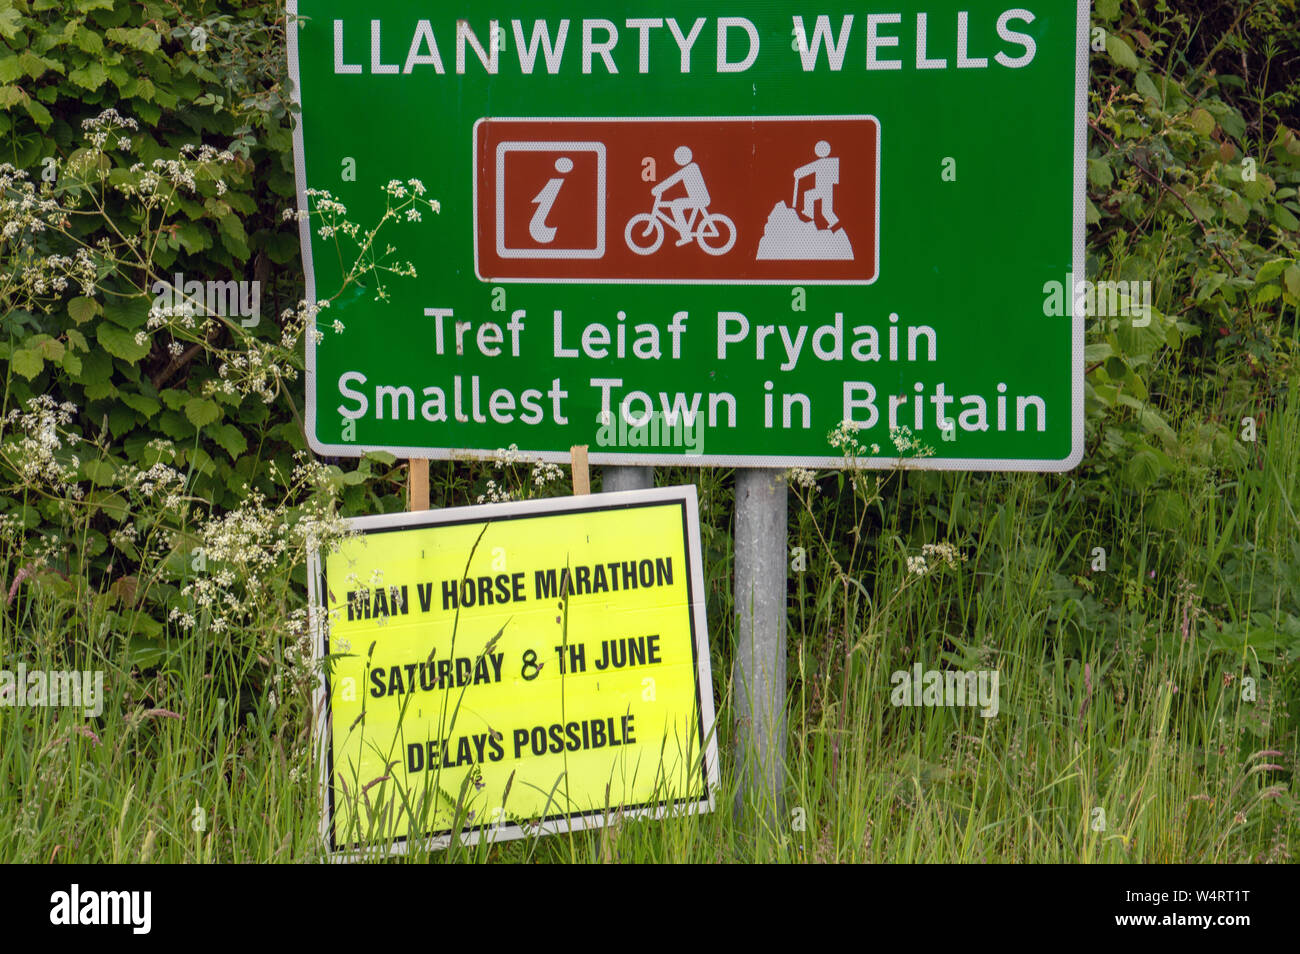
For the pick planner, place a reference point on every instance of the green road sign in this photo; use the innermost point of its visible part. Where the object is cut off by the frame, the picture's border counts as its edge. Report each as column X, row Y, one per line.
column 709, row 236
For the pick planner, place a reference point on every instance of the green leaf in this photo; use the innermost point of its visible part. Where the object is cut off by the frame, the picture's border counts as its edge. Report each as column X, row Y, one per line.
column 194, row 237
column 201, row 460
column 165, row 98
column 51, row 348
column 120, row 342
column 1228, row 117
column 1146, row 466
column 142, row 624
column 282, row 248
column 237, row 200
column 146, row 111
column 40, row 115
column 9, row 69
column 1257, row 189
column 140, row 86
column 1236, row 209
column 113, row 505
column 1292, row 279
column 1201, row 121
column 82, row 309
column 11, row 21
column 1265, row 293
column 1097, row 352
column 1259, row 633
column 137, row 38
column 202, row 411
column 233, row 237
column 1121, row 53
column 1147, row 87
column 146, row 654
column 175, row 425
column 1198, row 204
column 28, row 362
column 99, row 471
column 123, row 80
column 91, row 76
column 141, row 402
column 175, row 398
column 97, row 375
column 36, row 66
column 1099, row 173
column 1168, row 511
column 1285, row 219
column 130, row 313
column 121, row 419
column 1270, row 270
column 230, row 438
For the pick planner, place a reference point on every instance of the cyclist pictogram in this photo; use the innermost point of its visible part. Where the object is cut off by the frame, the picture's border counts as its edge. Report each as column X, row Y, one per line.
column 689, row 215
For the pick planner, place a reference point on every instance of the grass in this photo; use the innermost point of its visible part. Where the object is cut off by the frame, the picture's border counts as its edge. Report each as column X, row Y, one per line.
column 1122, row 734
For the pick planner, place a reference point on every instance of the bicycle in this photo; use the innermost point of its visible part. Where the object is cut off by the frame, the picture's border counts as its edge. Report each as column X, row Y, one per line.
column 709, row 227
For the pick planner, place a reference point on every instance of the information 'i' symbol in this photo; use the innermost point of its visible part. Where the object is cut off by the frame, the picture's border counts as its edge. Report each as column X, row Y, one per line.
column 537, row 228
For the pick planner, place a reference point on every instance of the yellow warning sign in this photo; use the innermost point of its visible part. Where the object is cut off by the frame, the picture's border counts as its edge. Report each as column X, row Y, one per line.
column 504, row 670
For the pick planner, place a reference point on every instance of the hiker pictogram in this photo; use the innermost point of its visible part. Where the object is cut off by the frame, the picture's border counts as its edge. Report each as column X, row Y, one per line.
column 825, row 173
column 689, row 215
column 792, row 233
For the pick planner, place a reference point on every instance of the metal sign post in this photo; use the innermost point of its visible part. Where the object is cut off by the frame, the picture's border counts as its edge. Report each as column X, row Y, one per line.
column 627, row 478
column 759, row 664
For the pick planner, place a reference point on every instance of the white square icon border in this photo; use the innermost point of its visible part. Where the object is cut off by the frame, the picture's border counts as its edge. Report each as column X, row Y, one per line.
column 503, row 148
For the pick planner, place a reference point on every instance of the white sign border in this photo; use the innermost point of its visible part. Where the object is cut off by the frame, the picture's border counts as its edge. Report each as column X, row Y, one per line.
column 504, row 148
column 1004, row 465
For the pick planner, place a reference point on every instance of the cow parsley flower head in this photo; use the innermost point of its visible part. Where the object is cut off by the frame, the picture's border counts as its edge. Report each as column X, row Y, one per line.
column 803, row 478
column 845, row 438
